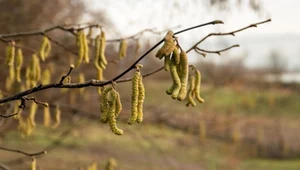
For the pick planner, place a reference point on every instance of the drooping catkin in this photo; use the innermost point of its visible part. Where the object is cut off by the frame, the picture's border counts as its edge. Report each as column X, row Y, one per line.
column 57, row 117
column 32, row 113
column 111, row 164
column 168, row 47
column 190, row 94
column 141, row 99
column 80, row 44
column 197, row 87
column 176, row 80
column 104, row 104
column 137, row 48
column 183, row 71
column 46, row 77
column 35, row 69
column 112, row 114
column 10, row 53
column 47, row 116
column 118, row 104
column 134, row 98
column 86, row 57
column 33, row 164
column 176, row 55
column 81, row 79
column 122, row 49
column 12, row 75
column 167, row 62
column 19, row 63
column 102, row 48
column 97, row 51
column 45, row 48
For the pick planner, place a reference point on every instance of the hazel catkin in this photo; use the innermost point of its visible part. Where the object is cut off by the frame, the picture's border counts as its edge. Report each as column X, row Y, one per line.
column 197, row 87
column 190, row 95
column 19, row 63
column 134, row 98
column 183, row 71
column 104, row 104
column 122, row 49
column 141, row 99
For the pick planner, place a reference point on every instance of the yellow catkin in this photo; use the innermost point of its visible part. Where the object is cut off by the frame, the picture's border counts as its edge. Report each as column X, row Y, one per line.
column 19, row 63
column 8, row 84
column 10, row 54
column 168, row 47
column 97, row 52
column 118, row 104
column 176, row 80
column 47, row 117
column 12, row 75
column 94, row 166
column 33, row 164
column 111, row 164
column 141, row 99
column 104, row 104
column 80, row 44
column 102, row 48
column 197, row 87
column 176, row 55
column 45, row 48
column 134, row 98
column 122, row 49
column 32, row 113
column 112, row 114
column 57, row 117
column 183, row 71
column 86, row 57
column 167, row 62
column 190, row 95
column 81, row 79
column 35, row 69
column 28, row 77
column 46, row 77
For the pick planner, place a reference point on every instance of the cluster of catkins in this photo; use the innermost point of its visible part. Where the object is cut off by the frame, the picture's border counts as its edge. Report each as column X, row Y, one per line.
column 111, row 106
column 176, row 62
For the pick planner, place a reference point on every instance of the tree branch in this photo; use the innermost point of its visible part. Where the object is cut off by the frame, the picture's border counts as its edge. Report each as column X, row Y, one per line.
column 197, row 49
column 228, row 33
column 22, row 152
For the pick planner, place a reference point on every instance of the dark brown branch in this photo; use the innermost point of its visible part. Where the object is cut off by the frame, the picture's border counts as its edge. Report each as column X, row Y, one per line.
column 199, row 50
column 69, row 72
column 97, row 83
column 228, row 33
column 22, row 152
column 7, row 116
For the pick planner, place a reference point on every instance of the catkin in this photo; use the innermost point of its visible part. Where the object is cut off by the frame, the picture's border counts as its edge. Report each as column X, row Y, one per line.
column 47, row 116
column 33, row 164
column 45, row 48
column 118, row 104
column 141, row 99
column 32, row 113
column 197, row 87
column 168, row 47
column 183, row 71
column 167, row 62
column 19, row 63
column 80, row 44
column 97, row 52
column 46, row 77
column 86, row 49
column 176, row 80
column 104, row 104
column 134, row 98
column 112, row 114
column 190, row 94
column 111, row 164
column 176, row 55
column 12, row 75
column 10, row 53
column 122, row 49
column 102, row 48
column 57, row 117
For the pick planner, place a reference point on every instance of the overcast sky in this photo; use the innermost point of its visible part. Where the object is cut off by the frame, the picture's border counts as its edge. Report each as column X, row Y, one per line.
column 131, row 16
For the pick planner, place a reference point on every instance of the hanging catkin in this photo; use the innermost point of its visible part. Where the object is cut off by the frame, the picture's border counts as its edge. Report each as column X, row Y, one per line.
column 19, row 63
column 134, row 98
column 104, row 104
column 183, row 71
column 168, row 47
column 112, row 113
column 191, row 93
column 122, row 49
column 80, row 44
column 10, row 53
column 141, row 99
column 197, row 87
column 47, row 116
column 45, row 48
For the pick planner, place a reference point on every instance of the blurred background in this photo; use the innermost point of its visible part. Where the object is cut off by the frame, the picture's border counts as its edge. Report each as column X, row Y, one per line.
column 249, row 120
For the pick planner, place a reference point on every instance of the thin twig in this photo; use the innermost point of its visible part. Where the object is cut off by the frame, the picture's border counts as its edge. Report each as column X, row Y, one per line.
column 229, row 33
column 197, row 49
column 22, row 152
